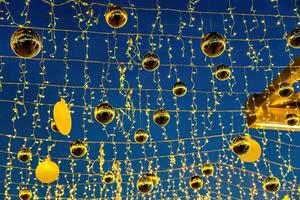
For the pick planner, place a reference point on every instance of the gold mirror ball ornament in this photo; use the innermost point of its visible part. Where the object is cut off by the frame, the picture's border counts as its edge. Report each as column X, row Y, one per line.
column 271, row 184
column 155, row 179
column 161, row 117
column 25, row 194
column 207, row 169
column 24, row 155
column 116, row 17
column 223, row 72
column 53, row 126
column 292, row 119
column 78, row 149
column 179, row 89
column 141, row 136
column 240, row 145
column 108, row 177
column 104, row 113
column 286, row 90
column 196, row 182
column 145, row 185
column 294, row 39
column 213, row 44
column 150, row 62
column 25, row 43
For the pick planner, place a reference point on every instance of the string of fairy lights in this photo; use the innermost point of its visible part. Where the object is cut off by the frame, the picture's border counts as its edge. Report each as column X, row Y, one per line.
column 187, row 164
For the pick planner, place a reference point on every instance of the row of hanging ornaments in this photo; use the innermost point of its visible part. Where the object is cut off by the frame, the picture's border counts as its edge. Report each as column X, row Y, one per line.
column 26, row 43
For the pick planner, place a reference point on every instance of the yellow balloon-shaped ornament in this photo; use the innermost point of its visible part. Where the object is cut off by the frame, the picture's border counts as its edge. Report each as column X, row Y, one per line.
column 253, row 153
column 47, row 171
column 62, row 117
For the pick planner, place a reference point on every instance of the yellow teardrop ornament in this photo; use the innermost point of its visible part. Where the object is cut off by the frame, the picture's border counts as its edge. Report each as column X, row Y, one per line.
column 62, row 117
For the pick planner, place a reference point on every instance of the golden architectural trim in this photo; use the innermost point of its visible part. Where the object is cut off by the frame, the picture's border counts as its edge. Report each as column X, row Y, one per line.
column 269, row 110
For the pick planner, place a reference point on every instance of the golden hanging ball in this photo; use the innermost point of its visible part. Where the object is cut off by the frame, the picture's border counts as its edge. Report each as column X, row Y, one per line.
column 292, row 119
column 223, row 72
column 271, row 184
column 25, row 43
column 207, row 169
column 25, row 194
column 108, row 178
column 53, row 126
column 294, row 39
column 141, row 136
column 286, row 90
column 196, row 182
column 240, row 145
column 254, row 152
column 78, row 149
column 161, row 117
column 213, row 44
column 47, row 171
column 104, row 113
column 24, row 155
column 179, row 89
column 116, row 17
column 155, row 179
column 145, row 185
column 150, row 62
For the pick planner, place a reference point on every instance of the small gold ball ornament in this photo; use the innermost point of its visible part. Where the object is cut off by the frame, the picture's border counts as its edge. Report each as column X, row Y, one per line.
column 161, row 117
column 25, row 43
column 78, row 149
column 145, row 184
column 150, row 62
column 24, row 155
column 179, row 89
column 196, row 182
column 25, row 194
column 271, row 184
column 108, row 177
column 104, row 113
column 116, row 17
column 141, row 136
column 213, row 44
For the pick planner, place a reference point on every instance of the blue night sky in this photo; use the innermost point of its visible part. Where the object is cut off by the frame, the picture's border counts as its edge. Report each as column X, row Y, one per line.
column 76, row 55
